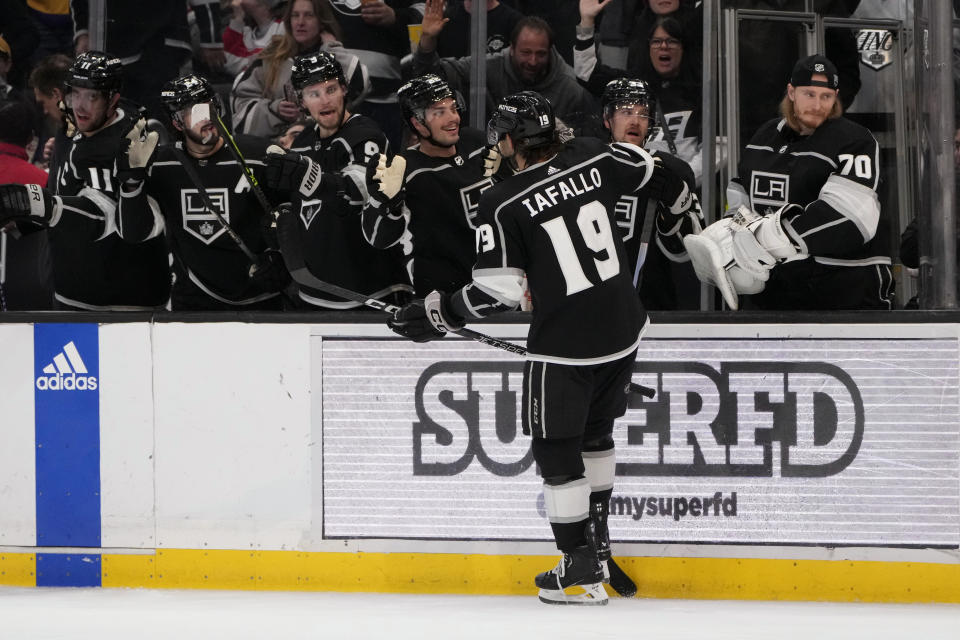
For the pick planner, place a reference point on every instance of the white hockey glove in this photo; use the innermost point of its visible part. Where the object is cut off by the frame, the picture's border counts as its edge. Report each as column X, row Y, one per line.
column 132, row 164
column 764, row 234
column 491, row 161
column 712, row 255
column 288, row 171
column 385, row 182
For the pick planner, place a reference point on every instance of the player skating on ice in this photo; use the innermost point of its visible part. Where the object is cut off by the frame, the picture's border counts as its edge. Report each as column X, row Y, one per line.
column 553, row 222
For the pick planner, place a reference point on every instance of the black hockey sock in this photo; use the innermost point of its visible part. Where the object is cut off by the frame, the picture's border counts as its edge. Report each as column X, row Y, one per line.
column 569, row 535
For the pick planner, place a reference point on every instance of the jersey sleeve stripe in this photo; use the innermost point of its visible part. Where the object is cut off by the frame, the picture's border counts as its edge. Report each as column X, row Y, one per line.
column 816, row 155
column 853, row 201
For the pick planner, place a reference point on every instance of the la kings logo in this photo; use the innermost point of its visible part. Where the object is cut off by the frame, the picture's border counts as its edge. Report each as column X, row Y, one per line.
column 67, row 372
column 199, row 222
column 470, row 199
column 875, row 47
column 769, row 190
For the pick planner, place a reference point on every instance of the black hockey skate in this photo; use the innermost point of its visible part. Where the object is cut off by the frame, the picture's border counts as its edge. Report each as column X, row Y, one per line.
column 577, row 578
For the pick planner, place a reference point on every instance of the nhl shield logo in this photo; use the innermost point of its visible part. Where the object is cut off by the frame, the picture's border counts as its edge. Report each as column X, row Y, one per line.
column 875, row 47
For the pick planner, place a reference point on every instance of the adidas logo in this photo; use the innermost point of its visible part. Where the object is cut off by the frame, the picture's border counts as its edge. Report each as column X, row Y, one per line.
column 67, row 372
column 552, row 170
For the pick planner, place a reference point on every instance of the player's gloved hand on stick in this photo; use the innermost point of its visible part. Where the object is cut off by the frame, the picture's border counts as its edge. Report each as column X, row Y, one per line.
column 27, row 202
column 270, row 273
column 287, row 171
column 141, row 143
column 667, row 186
column 385, row 180
column 425, row 320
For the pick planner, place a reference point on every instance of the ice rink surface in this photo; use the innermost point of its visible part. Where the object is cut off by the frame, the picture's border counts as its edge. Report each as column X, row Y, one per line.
column 48, row 613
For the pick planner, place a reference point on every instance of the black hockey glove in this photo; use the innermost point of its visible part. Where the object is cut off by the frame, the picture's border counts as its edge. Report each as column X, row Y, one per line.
column 385, row 181
column 270, row 273
column 669, row 187
column 27, row 202
column 292, row 172
column 425, row 320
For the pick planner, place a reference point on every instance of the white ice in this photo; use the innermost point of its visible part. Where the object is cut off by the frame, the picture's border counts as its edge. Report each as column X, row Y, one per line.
column 104, row 614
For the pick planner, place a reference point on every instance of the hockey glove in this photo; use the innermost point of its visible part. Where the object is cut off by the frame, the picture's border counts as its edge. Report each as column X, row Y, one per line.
column 269, row 273
column 292, row 172
column 425, row 320
column 766, row 233
column 132, row 163
column 669, row 187
column 27, row 202
column 491, row 161
column 385, row 182
column 712, row 255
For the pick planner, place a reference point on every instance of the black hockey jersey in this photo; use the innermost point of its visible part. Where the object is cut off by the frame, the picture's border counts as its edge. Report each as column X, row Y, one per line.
column 832, row 173
column 435, row 227
column 93, row 268
column 555, row 222
column 335, row 249
column 205, row 253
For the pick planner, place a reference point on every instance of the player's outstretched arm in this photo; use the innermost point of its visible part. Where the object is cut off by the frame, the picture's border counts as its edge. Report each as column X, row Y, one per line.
column 384, row 217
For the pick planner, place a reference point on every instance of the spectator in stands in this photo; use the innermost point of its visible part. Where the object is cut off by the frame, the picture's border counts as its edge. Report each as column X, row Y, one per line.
column 454, row 40
column 48, row 80
column 21, row 37
column 530, row 64
column 807, row 227
column 263, row 99
column 376, row 31
column 151, row 40
column 253, row 25
column 562, row 17
column 206, row 16
column 54, row 26
column 24, row 258
column 671, row 76
column 6, row 63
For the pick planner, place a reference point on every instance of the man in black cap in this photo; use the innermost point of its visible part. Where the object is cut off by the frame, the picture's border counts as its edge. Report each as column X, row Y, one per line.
column 805, row 231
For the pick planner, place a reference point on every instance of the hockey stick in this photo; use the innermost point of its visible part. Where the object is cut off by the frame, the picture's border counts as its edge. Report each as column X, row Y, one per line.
column 292, row 253
column 247, row 171
column 645, row 234
column 620, row 581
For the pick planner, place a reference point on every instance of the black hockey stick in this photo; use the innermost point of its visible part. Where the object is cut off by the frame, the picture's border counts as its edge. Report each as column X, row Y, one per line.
column 620, row 581
column 292, row 252
column 247, row 171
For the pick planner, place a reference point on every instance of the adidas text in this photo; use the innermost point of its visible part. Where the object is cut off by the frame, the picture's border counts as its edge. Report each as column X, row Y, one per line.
column 67, row 383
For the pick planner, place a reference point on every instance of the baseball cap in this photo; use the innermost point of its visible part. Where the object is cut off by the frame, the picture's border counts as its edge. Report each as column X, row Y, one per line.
column 806, row 68
column 4, row 47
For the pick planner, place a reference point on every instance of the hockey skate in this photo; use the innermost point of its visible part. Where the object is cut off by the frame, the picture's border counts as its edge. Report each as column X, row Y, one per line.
column 578, row 577
column 612, row 573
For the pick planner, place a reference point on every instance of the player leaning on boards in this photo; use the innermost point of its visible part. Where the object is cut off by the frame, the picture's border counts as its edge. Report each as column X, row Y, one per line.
column 93, row 268
column 554, row 222
column 327, row 186
column 628, row 108
column 806, row 230
column 159, row 197
column 425, row 199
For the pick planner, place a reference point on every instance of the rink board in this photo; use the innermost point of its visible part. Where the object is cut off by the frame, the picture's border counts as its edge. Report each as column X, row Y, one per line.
column 336, row 457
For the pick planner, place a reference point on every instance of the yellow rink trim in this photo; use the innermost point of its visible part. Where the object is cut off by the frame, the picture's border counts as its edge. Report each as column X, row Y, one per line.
column 695, row 578
column 18, row 569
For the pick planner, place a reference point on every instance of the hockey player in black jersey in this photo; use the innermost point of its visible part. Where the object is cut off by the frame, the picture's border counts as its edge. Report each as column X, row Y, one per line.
column 324, row 175
column 806, row 231
column 212, row 271
column 666, row 281
column 425, row 200
column 93, row 268
column 554, row 222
